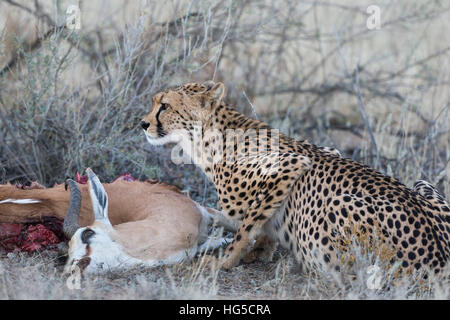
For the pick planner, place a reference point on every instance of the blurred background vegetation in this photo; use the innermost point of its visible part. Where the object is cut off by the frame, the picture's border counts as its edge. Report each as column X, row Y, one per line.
column 72, row 99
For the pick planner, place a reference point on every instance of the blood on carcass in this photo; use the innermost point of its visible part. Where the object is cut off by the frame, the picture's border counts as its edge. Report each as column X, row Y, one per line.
column 45, row 234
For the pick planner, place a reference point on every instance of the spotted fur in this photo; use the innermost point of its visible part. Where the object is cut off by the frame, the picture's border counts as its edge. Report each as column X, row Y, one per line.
column 302, row 196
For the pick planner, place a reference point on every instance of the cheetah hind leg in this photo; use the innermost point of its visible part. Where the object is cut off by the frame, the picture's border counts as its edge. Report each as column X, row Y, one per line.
column 429, row 192
column 263, row 250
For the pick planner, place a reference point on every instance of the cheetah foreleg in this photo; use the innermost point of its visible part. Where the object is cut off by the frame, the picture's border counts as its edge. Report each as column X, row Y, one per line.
column 284, row 173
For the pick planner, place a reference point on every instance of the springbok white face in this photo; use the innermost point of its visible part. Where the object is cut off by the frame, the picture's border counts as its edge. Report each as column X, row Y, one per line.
column 90, row 250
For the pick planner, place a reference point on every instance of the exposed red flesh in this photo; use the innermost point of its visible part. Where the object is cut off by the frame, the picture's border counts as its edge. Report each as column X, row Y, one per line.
column 31, row 237
column 46, row 234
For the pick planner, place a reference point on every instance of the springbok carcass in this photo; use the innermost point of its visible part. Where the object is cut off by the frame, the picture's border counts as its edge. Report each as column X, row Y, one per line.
column 174, row 235
column 118, row 225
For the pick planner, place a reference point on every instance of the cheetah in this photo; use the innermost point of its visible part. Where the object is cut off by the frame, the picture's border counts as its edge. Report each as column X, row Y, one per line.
column 295, row 193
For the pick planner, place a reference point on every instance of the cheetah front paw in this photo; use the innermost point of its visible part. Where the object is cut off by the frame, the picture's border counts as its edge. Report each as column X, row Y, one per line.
column 211, row 262
column 262, row 250
column 257, row 254
column 214, row 263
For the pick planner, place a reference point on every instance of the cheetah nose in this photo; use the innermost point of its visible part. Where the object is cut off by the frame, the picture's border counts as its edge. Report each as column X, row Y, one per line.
column 145, row 125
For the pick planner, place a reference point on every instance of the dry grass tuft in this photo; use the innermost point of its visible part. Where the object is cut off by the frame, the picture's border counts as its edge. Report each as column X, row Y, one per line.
column 371, row 243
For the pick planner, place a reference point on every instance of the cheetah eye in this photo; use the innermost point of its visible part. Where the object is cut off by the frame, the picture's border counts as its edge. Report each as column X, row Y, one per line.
column 163, row 107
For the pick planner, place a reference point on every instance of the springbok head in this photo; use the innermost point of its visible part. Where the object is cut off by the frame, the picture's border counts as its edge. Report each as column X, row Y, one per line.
column 90, row 247
column 173, row 233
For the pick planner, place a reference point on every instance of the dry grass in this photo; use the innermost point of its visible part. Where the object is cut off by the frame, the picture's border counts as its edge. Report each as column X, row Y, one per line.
column 71, row 100
column 38, row 276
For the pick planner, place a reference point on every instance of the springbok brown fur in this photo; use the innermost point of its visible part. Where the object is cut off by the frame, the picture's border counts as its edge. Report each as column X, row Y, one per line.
column 143, row 223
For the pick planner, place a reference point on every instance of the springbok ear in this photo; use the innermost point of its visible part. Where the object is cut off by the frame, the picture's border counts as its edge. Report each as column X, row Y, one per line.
column 99, row 198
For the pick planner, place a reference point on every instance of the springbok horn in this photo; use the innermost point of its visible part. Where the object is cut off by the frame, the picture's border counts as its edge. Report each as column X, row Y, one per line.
column 71, row 225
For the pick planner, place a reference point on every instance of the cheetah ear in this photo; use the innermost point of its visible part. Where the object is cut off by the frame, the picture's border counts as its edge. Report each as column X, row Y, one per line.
column 216, row 91
column 208, row 84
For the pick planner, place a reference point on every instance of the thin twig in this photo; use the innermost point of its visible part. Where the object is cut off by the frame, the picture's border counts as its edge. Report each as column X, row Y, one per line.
column 364, row 116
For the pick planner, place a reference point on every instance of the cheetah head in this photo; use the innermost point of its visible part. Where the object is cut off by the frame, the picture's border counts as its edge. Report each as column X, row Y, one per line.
column 175, row 111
